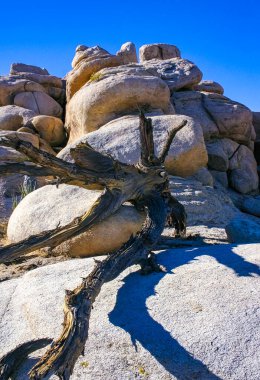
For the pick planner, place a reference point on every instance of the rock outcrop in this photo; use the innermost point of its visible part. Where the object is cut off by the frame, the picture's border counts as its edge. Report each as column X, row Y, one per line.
column 186, row 155
column 104, row 94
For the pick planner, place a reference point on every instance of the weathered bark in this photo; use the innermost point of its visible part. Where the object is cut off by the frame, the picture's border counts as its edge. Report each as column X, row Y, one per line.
column 146, row 186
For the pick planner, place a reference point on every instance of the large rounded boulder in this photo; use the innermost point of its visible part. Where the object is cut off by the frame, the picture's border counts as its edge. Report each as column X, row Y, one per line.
column 46, row 208
column 112, row 93
column 121, row 139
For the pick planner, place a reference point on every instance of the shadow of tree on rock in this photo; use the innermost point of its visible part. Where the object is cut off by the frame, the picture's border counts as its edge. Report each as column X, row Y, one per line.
column 131, row 313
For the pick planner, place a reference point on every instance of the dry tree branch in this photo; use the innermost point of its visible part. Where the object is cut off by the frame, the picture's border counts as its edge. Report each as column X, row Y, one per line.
column 146, row 185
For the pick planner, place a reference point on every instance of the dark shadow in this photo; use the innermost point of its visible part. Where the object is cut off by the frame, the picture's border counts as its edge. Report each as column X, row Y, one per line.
column 131, row 314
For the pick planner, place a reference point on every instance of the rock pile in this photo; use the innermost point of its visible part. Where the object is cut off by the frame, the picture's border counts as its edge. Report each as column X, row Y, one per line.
column 32, row 104
column 104, row 94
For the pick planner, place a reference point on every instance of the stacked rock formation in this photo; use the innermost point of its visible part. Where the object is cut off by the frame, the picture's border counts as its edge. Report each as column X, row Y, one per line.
column 31, row 104
column 104, row 95
column 105, row 92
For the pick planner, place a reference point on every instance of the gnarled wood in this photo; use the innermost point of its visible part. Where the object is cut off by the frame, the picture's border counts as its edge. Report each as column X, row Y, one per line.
column 146, row 186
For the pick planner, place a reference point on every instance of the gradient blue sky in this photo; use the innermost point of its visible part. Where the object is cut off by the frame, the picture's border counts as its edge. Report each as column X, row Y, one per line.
column 221, row 37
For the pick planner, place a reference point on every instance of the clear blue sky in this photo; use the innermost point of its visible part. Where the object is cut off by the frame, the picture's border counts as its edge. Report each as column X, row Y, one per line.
column 221, row 37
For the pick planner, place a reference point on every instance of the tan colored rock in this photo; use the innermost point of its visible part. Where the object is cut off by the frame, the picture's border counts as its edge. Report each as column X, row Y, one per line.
column 120, row 138
column 44, row 80
column 17, row 68
column 234, row 120
column 127, row 53
column 10, row 86
column 49, row 128
column 85, row 64
column 176, row 72
column 158, row 51
column 45, row 208
column 39, row 102
column 217, row 114
column 13, row 117
column 116, row 91
column 209, row 86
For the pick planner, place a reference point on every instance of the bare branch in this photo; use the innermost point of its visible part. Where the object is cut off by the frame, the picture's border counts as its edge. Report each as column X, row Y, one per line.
column 26, row 168
column 169, row 140
column 60, row 167
column 62, row 355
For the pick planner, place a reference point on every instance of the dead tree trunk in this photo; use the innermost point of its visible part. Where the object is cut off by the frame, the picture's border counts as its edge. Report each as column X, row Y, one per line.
column 145, row 185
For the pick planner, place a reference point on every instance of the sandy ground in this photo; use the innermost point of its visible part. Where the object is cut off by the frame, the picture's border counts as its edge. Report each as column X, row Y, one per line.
column 196, row 237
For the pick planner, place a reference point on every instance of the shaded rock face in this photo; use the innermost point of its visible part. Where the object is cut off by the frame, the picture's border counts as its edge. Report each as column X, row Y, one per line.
column 158, row 51
column 256, row 123
column 237, row 160
column 242, row 230
column 196, row 321
column 252, row 206
column 45, row 208
column 204, row 205
column 121, row 139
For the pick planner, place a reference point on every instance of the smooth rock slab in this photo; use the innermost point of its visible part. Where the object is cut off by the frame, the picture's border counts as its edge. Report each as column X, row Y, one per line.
column 197, row 321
